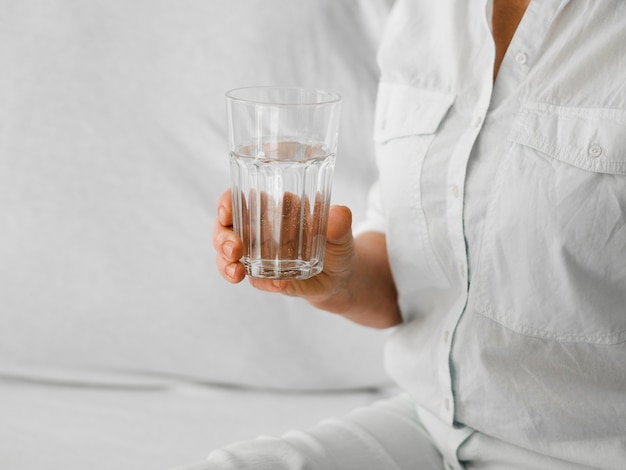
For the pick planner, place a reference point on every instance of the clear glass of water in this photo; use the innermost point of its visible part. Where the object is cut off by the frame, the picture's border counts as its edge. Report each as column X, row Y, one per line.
column 283, row 142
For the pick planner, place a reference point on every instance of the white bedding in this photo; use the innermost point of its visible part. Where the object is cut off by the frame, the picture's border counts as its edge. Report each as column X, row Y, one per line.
column 146, row 427
column 112, row 155
column 113, row 152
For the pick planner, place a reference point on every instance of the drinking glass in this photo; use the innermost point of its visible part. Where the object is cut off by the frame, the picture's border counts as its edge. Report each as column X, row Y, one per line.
column 283, row 142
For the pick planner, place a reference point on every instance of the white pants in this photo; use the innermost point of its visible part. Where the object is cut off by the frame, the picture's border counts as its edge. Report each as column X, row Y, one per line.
column 388, row 435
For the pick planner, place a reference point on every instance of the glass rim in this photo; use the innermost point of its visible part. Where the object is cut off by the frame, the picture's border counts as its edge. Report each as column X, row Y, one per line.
column 330, row 97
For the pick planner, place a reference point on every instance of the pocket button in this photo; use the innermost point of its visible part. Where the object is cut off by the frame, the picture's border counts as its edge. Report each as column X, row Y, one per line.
column 595, row 151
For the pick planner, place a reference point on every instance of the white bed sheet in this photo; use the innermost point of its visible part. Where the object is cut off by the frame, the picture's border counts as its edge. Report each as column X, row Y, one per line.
column 66, row 426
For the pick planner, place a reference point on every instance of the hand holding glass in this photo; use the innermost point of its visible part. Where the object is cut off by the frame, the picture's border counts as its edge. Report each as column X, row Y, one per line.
column 282, row 156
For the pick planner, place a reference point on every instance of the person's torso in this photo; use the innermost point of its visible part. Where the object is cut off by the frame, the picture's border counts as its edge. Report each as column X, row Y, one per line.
column 505, row 206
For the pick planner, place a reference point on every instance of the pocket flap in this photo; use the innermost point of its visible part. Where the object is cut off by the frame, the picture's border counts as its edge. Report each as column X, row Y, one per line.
column 593, row 139
column 402, row 110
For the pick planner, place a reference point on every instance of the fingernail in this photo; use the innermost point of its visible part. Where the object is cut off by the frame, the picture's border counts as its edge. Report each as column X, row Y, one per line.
column 230, row 270
column 277, row 283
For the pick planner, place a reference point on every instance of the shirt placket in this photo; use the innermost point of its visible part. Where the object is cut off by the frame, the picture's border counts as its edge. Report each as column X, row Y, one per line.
column 472, row 123
column 512, row 73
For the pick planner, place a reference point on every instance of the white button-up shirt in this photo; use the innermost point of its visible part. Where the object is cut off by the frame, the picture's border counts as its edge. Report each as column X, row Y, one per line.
column 504, row 206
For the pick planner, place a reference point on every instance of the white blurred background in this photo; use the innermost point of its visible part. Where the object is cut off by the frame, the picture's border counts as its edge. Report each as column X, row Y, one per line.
column 120, row 345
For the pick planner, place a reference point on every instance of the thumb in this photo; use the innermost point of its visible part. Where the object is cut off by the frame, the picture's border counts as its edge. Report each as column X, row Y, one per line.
column 339, row 225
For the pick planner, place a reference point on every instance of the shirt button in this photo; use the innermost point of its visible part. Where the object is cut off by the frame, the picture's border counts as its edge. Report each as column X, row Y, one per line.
column 446, row 335
column 595, row 151
column 454, row 190
column 521, row 58
column 446, row 404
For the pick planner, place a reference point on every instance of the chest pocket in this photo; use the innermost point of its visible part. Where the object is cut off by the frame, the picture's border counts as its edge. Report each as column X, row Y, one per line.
column 553, row 258
column 407, row 120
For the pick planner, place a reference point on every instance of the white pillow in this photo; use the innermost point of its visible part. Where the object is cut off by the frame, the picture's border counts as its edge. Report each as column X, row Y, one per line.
column 112, row 155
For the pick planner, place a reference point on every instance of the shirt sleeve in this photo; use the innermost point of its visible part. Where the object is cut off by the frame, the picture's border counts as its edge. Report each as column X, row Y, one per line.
column 374, row 220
